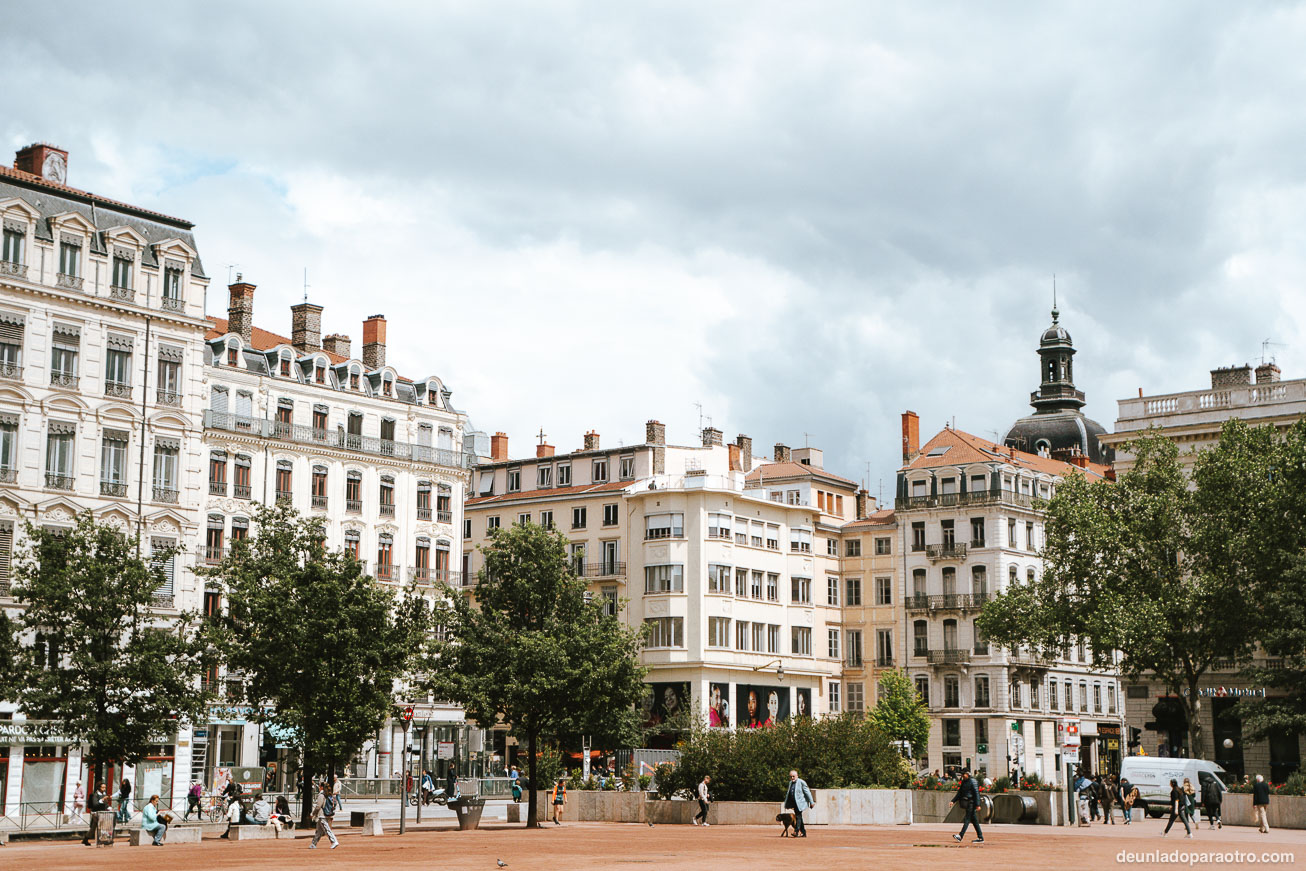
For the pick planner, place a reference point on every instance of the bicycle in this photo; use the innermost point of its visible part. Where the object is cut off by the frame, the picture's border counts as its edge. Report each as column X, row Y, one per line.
column 218, row 808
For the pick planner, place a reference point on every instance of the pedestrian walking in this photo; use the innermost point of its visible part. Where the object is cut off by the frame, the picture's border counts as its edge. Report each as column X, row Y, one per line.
column 515, row 782
column 1190, row 801
column 1261, row 804
column 1130, row 793
column 154, row 822
column 1212, row 798
column 1177, row 809
column 558, row 800
column 94, row 805
column 79, row 801
column 1094, row 795
column 324, row 809
column 1109, row 789
column 1083, row 786
column 337, row 790
column 450, row 785
column 967, row 798
column 703, row 800
column 798, row 798
column 193, row 796
column 124, row 800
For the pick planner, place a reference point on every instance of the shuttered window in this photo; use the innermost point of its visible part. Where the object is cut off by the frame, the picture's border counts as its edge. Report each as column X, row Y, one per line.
column 169, row 564
column 6, row 555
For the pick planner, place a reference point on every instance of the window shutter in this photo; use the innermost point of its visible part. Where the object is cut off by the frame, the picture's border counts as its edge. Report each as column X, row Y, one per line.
column 219, row 401
column 6, row 554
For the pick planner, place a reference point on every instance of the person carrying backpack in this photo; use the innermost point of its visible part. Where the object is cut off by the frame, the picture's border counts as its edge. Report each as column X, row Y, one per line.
column 324, row 808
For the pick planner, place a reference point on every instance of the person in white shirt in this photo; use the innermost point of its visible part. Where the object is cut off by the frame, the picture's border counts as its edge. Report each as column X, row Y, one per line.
column 703, row 800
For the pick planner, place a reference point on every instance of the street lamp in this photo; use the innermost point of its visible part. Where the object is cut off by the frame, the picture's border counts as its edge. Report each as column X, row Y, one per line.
column 779, row 672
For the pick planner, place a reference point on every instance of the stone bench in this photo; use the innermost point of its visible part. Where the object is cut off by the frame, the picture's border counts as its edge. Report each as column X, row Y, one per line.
column 254, row 832
column 4, row 838
column 174, row 835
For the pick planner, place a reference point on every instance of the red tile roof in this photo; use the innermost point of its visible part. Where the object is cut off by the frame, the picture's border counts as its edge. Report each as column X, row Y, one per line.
column 785, row 471
column 526, row 495
column 966, row 448
column 30, row 178
column 262, row 339
column 883, row 517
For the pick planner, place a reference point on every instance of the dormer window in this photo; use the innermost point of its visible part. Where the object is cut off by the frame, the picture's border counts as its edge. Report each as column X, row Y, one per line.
column 285, row 364
column 172, row 282
column 432, row 393
column 122, row 271
column 354, row 379
column 15, row 239
column 320, row 374
column 233, row 354
column 387, row 386
column 70, row 257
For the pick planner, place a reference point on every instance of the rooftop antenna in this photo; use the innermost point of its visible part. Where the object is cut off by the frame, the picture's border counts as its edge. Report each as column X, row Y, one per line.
column 866, row 482
column 880, row 500
column 1265, row 349
column 230, row 266
column 541, row 435
column 699, row 406
column 305, row 284
column 1054, row 298
column 806, row 439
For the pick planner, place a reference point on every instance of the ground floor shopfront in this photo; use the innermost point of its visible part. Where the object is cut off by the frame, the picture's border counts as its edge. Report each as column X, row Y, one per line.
column 1158, row 726
column 993, row 745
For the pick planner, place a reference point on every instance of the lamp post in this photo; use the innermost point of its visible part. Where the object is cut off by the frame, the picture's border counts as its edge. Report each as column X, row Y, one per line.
column 779, row 672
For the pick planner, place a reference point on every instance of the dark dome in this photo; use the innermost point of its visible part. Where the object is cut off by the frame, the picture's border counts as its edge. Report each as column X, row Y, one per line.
column 1055, row 334
column 1058, row 434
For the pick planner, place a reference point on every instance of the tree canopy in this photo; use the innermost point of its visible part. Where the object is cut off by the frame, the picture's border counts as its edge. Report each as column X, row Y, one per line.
column 529, row 649
column 98, row 663
column 900, row 711
column 321, row 649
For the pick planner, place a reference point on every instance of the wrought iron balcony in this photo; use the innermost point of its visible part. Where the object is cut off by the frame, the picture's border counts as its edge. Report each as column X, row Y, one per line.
column 600, row 569
column 308, row 435
column 354, row 506
column 167, row 397
column 947, row 656
column 122, row 294
column 64, row 379
column 11, row 371
column 285, row 496
column 318, row 502
column 918, row 603
column 956, row 550
column 13, row 270
column 172, row 304
column 217, row 488
column 884, row 662
column 424, row 575
column 950, row 500
column 8, row 476
column 68, row 282
column 117, row 389
column 423, row 513
column 444, row 517
column 386, row 509
column 164, row 600
column 55, row 481
column 165, row 494
column 213, row 555
column 240, row 491
column 116, row 489
column 386, row 572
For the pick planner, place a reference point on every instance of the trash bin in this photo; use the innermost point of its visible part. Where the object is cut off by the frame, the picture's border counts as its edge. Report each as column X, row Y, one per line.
column 104, row 831
column 469, row 811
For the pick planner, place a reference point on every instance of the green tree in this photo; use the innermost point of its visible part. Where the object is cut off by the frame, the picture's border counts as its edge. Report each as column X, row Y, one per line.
column 1151, row 570
column 321, row 648
column 900, row 712
column 530, row 650
column 97, row 662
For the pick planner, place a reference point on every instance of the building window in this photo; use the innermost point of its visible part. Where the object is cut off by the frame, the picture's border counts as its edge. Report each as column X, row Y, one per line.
column 353, row 492
column 718, row 632
column 949, row 532
column 884, row 648
column 718, row 578
column 773, row 537
column 832, row 590
column 467, row 527
column 718, row 526
column 113, row 464
column 218, row 473
column 387, row 494
column 832, row 692
column 15, row 238
column 759, row 637
column 741, row 583
column 855, row 652
column 920, row 638
column 385, row 557
column 664, row 579
column 422, row 560
column 564, row 475
column 167, row 454
column 883, row 546
column 355, row 382
column 318, row 489
column 546, row 519
column 233, row 353
column 352, row 543
column 1097, row 698
column 1029, row 537
column 11, row 346
column 1053, row 700
column 801, row 638
column 578, row 518
column 664, row 526
column 800, row 540
column 122, row 272
column 755, row 588
column 800, row 590
column 8, row 448
column 524, row 519
column 665, row 631
column 172, row 278
column 741, row 634
column 918, row 536
column 610, row 515
column 923, row 688
column 240, row 482
column 1070, row 697
column 600, row 471
column 853, row 547
column 544, row 477
column 423, row 500
column 856, row 699
column 832, row 643
column 627, row 468
column 213, row 539
column 609, row 593
column 831, row 547
column 755, row 530
column 1033, row 695
column 883, row 591
column 951, row 727
column 285, row 489
column 70, row 259
column 977, row 532
column 982, row 691
column 491, row 524
column 65, row 347
column 772, row 638
column 514, row 480
column 853, row 586
column 1011, row 533
column 118, row 367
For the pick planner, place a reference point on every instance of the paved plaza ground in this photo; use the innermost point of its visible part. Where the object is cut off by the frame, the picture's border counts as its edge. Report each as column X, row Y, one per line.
column 616, row 845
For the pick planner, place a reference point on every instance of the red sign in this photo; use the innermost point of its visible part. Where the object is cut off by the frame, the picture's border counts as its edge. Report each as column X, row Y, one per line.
column 408, row 714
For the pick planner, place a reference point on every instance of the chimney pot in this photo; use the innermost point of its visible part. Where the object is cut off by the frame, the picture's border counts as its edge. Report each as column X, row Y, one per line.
column 543, row 451
column 711, row 437
column 499, row 446
column 782, row 453
column 306, row 327
column 338, row 344
column 374, row 342
column 1232, row 376
column 591, row 441
column 655, row 434
column 911, row 435
column 745, row 452
column 1267, row 373
column 240, row 310
column 864, row 502
column 44, row 160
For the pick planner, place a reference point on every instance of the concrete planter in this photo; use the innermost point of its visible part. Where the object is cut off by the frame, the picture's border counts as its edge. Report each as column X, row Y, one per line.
column 833, row 807
column 1286, row 811
column 934, row 806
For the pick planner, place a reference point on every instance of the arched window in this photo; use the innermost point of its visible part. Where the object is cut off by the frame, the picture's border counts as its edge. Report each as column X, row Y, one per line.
column 355, row 378
column 387, row 500
column 385, row 545
column 918, row 586
column 233, row 352
column 353, row 492
column 387, row 385
column 285, row 364
column 979, row 584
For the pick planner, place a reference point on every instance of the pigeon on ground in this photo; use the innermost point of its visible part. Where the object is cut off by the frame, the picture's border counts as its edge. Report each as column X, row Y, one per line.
column 502, row 864
column 650, row 825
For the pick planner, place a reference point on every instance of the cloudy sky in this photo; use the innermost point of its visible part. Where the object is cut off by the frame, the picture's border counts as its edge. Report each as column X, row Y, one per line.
column 806, row 217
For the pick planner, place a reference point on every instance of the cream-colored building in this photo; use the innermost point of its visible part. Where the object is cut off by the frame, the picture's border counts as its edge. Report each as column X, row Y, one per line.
column 873, row 605
column 101, row 368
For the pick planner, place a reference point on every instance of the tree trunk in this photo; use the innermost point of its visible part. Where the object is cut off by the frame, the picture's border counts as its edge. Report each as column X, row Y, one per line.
column 532, row 819
column 1193, row 711
column 305, row 791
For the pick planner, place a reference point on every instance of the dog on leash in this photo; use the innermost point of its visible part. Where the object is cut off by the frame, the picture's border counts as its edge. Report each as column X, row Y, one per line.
column 786, row 819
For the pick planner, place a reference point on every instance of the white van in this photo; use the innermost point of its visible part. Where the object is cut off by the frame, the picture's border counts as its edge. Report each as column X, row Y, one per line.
column 1152, row 776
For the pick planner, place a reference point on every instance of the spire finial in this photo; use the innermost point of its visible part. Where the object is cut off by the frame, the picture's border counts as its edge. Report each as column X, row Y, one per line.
column 1054, row 298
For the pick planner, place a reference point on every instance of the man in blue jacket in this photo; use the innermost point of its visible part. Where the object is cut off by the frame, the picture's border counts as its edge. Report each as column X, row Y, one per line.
column 968, row 797
column 798, row 798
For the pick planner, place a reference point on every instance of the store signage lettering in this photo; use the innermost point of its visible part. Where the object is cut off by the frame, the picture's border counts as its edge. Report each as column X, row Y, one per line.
column 1231, row 692
column 31, row 732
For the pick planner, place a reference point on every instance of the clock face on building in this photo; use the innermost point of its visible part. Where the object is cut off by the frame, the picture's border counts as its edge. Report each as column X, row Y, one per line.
column 54, row 169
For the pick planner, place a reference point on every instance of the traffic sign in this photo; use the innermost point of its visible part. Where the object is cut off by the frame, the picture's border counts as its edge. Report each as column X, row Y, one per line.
column 1072, row 733
column 408, row 714
column 1070, row 755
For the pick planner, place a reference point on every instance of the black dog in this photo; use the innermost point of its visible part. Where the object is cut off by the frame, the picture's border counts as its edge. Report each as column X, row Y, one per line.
column 786, row 819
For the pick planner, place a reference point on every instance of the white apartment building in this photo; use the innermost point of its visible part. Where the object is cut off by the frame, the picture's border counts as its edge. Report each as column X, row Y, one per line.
column 344, row 437
column 101, row 373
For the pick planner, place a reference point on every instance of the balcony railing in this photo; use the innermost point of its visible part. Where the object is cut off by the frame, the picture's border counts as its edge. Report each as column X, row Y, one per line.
column 386, row 509
column 308, row 435
column 444, row 517
column 424, row 575
column 947, row 602
column 1027, row 660
column 600, row 569
column 884, row 662
column 947, row 655
column 122, row 294
column 167, row 397
column 55, row 481
column 354, row 506
column 386, row 572
column 164, row 600
column 8, row 476
column 285, row 496
column 423, row 513
column 981, row 649
column 64, row 379
column 68, row 282
column 949, row 500
column 171, row 304
column 15, row 270
column 11, row 371
column 213, row 555
column 116, row 489
column 319, row 502
column 956, row 550
column 240, row 491
column 217, row 488
column 165, row 494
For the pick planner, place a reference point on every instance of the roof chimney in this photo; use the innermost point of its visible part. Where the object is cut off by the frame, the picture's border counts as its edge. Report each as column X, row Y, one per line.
column 591, row 441
column 911, row 435
column 655, row 434
column 711, row 437
column 338, row 344
column 374, row 342
column 306, row 327
column 1233, row 376
column 240, row 310
column 782, row 453
column 543, row 451
column 1267, row 373
column 863, row 504
column 734, row 459
column 745, row 452
column 499, row 447
column 43, row 160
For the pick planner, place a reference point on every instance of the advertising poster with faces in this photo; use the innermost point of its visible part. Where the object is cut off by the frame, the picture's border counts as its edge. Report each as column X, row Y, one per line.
column 666, row 702
column 761, row 705
column 718, row 705
column 804, row 703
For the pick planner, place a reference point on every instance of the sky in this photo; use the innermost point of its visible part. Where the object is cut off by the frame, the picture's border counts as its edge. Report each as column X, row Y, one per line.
column 804, row 218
